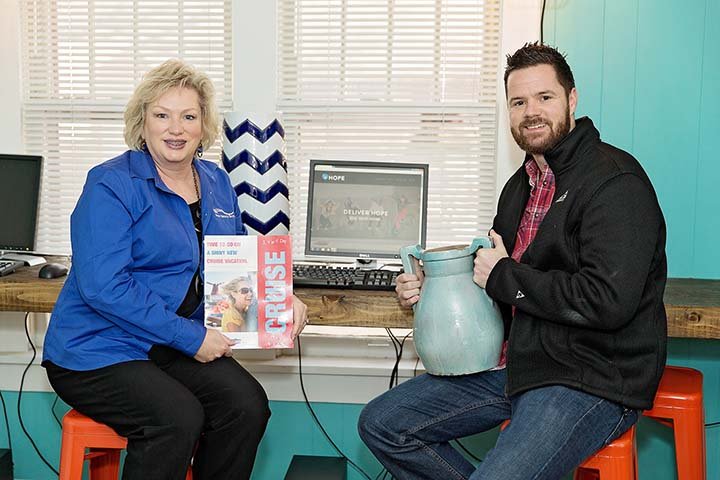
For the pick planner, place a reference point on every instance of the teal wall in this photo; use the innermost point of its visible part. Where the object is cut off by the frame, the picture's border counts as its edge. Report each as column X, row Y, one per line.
column 648, row 74
column 292, row 431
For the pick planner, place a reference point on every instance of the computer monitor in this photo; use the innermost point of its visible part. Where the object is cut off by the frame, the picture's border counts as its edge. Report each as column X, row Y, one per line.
column 19, row 193
column 365, row 210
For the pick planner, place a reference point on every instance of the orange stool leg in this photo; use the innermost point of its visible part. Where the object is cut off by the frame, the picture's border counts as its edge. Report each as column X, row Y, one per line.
column 105, row 465
column 72, row 456
column 690, row 445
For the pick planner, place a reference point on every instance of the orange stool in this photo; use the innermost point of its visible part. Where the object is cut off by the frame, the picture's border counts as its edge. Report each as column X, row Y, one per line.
column 615, row 461
column 679, row 405
column 80, row 432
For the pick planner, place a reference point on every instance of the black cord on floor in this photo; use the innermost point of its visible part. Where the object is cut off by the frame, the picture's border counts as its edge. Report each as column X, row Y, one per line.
column 7, row 423
column 52, row 409
column 398, row 345
column 22, row 382
column 542, row 22
column 713, row 424
column 317, row 420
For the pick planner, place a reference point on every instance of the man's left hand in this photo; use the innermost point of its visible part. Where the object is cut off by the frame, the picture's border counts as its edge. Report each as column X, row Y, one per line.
column 486, row 258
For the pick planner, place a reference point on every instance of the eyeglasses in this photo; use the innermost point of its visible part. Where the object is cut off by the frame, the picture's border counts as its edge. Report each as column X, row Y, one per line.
column 245, row 290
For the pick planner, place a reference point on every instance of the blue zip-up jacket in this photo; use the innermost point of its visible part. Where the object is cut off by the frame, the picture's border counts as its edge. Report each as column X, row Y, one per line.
column 135, row 251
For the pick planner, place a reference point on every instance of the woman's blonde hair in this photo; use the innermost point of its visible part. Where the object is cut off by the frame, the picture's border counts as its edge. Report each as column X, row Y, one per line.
column 171, row 74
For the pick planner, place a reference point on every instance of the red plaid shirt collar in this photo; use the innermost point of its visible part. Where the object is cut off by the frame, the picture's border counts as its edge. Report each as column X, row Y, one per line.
column 542, row 190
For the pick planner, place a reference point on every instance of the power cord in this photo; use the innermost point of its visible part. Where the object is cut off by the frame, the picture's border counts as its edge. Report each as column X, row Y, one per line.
column 398, row 346
column 542, row 21
column 22, row 382
column 7, row 423
column 317, row 420
column 52, row 409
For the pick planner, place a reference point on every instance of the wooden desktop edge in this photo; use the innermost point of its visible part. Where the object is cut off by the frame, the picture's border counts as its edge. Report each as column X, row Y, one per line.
column 692, row 305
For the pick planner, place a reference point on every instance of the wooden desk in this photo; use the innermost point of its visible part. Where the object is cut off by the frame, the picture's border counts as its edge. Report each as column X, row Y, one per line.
column 693, row 306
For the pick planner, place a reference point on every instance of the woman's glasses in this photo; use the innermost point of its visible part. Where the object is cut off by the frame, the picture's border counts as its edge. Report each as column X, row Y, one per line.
column 245, row 290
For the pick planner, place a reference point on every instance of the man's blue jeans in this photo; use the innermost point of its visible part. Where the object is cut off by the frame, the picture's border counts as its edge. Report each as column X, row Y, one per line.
column 553, row 428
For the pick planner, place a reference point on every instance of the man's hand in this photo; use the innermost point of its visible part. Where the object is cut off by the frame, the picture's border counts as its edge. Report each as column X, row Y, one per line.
column 407, row 287
column 300, row 317
column 487, row 258
column 214, row 346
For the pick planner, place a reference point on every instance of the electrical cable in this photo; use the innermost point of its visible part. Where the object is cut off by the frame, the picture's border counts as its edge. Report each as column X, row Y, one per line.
column 317, row 420
column 52, row 409
column 713, row 424
column 399, row 345
column 22, row 382
column 542, row 21
column 7, row 423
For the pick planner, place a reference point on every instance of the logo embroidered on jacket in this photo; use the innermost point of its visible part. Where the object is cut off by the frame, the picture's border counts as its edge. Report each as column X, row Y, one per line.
column 562, row 197
column 520, row 295
column 220, row 213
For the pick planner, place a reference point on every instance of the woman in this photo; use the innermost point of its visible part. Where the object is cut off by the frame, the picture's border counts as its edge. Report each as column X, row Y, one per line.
column 126, row 344
column 240, row 316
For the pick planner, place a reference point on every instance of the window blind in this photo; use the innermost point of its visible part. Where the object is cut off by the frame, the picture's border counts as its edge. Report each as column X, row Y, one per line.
column 81, row 61
column 395, row 81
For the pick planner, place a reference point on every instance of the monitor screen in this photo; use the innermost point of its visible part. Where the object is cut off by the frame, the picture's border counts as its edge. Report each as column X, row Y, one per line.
column 365, row 209
column 19, row 193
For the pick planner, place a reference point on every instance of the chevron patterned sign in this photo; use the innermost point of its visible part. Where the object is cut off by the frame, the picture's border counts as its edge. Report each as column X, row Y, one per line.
column 254, row 157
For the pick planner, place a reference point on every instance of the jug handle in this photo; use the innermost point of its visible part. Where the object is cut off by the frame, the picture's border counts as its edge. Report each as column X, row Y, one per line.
column 481, row 242
column 410, row 260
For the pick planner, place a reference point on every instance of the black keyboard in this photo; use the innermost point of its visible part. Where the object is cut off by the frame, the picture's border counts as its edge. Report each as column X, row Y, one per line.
column 9, row 266
column 323, row 276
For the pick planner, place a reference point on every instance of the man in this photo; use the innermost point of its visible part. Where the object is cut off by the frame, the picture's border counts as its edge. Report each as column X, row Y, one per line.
column 581, row 295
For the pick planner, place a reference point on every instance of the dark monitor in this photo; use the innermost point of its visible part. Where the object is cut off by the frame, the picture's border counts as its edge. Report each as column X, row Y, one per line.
column 19, row 194
column 365, row 209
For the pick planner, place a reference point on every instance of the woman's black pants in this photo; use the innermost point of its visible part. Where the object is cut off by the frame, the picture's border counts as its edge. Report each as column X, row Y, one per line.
column 171, row 407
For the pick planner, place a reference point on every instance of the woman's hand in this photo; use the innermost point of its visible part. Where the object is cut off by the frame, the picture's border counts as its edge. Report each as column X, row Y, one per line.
column 214, row 346
column 300, row 317
column 407, row 287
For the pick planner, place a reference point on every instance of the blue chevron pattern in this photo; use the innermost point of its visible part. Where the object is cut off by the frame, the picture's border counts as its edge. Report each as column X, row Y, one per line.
column 265, row 227
column 260, row 166
column 262, row 196
column 247, row 126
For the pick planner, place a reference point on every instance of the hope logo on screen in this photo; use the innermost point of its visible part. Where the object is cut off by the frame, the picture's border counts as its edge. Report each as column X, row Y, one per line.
column 333, row 178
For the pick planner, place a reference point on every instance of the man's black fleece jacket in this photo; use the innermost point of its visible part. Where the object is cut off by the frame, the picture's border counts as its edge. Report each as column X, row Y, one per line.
column 589, row 289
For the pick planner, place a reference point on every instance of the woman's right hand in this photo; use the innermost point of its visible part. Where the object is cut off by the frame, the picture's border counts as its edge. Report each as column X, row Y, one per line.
column 214, row 346
column 407, row 287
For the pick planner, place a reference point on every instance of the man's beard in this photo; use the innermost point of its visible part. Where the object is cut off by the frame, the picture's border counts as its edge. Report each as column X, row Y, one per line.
column 557, row 133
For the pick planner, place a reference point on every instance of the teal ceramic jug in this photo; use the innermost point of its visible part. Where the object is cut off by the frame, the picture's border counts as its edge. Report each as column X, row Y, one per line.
column 458, row 328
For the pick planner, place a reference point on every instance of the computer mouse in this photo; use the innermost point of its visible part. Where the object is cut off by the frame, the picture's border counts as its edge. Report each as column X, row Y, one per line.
column 52, row 270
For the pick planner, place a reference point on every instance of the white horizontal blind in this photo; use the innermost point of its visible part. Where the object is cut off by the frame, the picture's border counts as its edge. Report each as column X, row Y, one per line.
column 395, row 81
column 81, row 61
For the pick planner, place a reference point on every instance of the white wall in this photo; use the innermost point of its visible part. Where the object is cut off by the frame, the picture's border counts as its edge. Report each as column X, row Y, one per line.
column 10, row 98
